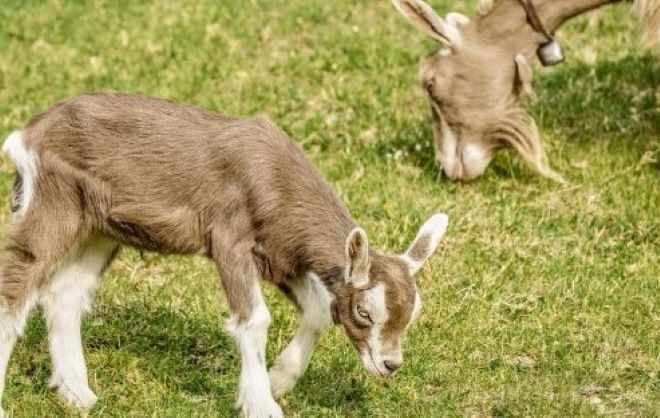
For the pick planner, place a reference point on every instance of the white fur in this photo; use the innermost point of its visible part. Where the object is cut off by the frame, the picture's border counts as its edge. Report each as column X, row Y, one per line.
column 457, row 19
column 475, row 161
column 416, row 309
column 454, row 34
column 314, row 300
column 66, row 297
column 374, row 355
column 254, row 394
column 459, row 164
column 446, row 151
column 25, row 161
column 424, row 18
column 435, row 228
column 444, row 52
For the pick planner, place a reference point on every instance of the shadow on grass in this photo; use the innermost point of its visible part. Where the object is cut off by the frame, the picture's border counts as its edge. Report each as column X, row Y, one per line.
column 186, row 354
column 609, row 99
column 339, row 390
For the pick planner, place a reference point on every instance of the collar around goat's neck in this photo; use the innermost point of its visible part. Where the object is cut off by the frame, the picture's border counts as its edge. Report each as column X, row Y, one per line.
column 550, row 52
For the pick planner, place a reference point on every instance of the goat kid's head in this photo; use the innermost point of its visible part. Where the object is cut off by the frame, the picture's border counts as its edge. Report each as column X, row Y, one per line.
column 379, row 300
column 474, row 86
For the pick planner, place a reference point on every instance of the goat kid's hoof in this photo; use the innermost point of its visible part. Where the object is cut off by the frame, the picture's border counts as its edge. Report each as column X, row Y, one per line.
column 81, row 399
column 261, row 408
column 281, row 382
column 79, row 396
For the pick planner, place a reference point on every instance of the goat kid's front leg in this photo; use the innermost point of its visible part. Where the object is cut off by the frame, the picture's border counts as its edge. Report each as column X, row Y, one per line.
column 314, row 301
column 248, row 325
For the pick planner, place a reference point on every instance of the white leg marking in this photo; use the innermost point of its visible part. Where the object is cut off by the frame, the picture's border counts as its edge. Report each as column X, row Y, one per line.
column 315, row 300
column 65, row 299
column 25, row 161
column 254, row 394
column 12, row 325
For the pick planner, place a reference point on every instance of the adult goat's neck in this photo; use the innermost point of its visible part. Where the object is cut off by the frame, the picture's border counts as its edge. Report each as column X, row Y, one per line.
column 507, row 20
column 554, row 13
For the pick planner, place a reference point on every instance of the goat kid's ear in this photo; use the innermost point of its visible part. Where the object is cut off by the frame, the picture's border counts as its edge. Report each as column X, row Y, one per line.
column 426, row 242
column 357, row 258
column 524, row 76
column 422, row 16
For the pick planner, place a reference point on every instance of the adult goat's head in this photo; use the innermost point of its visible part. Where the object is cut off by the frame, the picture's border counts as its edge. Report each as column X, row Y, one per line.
column 475, row 82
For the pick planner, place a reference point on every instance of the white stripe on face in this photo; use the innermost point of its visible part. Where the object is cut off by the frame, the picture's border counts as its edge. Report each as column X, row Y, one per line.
column 374, row 303
column 446, row 151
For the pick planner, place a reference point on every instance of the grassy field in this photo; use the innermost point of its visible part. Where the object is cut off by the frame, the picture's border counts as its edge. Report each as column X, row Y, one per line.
column 544, row 300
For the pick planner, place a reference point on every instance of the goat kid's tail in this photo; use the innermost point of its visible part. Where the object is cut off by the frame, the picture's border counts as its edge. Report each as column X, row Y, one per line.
column 649, row 12
column 25, row 162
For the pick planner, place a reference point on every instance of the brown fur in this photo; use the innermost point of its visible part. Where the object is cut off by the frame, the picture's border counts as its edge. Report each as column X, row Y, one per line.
column 649, row 12
column 477, row 84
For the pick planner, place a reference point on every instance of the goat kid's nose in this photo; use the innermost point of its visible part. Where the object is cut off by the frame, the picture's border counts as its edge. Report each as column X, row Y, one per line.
column 392, row 365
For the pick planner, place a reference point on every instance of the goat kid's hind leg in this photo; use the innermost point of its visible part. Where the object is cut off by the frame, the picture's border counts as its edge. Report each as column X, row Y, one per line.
column 314, row 302
column 248, row 325
column 26, row 261
column 12, row 325
column 65, row 298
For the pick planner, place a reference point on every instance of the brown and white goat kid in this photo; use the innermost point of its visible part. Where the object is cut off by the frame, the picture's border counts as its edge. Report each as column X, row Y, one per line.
column 101, row 171
column 476, row 79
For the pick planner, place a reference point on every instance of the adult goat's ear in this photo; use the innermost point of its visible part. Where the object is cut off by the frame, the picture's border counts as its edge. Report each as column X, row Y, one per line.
column 524, row 76
column 426, row 242
column 424, row 18
column 357, row 258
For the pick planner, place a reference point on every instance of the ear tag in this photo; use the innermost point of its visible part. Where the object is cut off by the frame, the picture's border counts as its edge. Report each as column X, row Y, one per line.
column 550, row 53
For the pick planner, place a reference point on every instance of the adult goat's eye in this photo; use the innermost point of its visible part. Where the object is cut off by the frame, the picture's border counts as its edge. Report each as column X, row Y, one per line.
column 363, row 313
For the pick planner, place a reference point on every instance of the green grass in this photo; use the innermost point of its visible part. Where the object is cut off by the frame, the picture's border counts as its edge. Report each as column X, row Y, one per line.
column 543, row 300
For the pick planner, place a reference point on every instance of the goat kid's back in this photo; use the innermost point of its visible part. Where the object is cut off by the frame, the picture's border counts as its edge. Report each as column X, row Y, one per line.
column 164, row 176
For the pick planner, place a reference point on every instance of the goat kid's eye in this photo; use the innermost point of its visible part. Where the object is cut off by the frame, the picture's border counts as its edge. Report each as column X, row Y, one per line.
column 363, row 313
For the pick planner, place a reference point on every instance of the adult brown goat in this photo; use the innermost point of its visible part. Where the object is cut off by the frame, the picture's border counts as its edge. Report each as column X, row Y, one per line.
column 476, row 79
